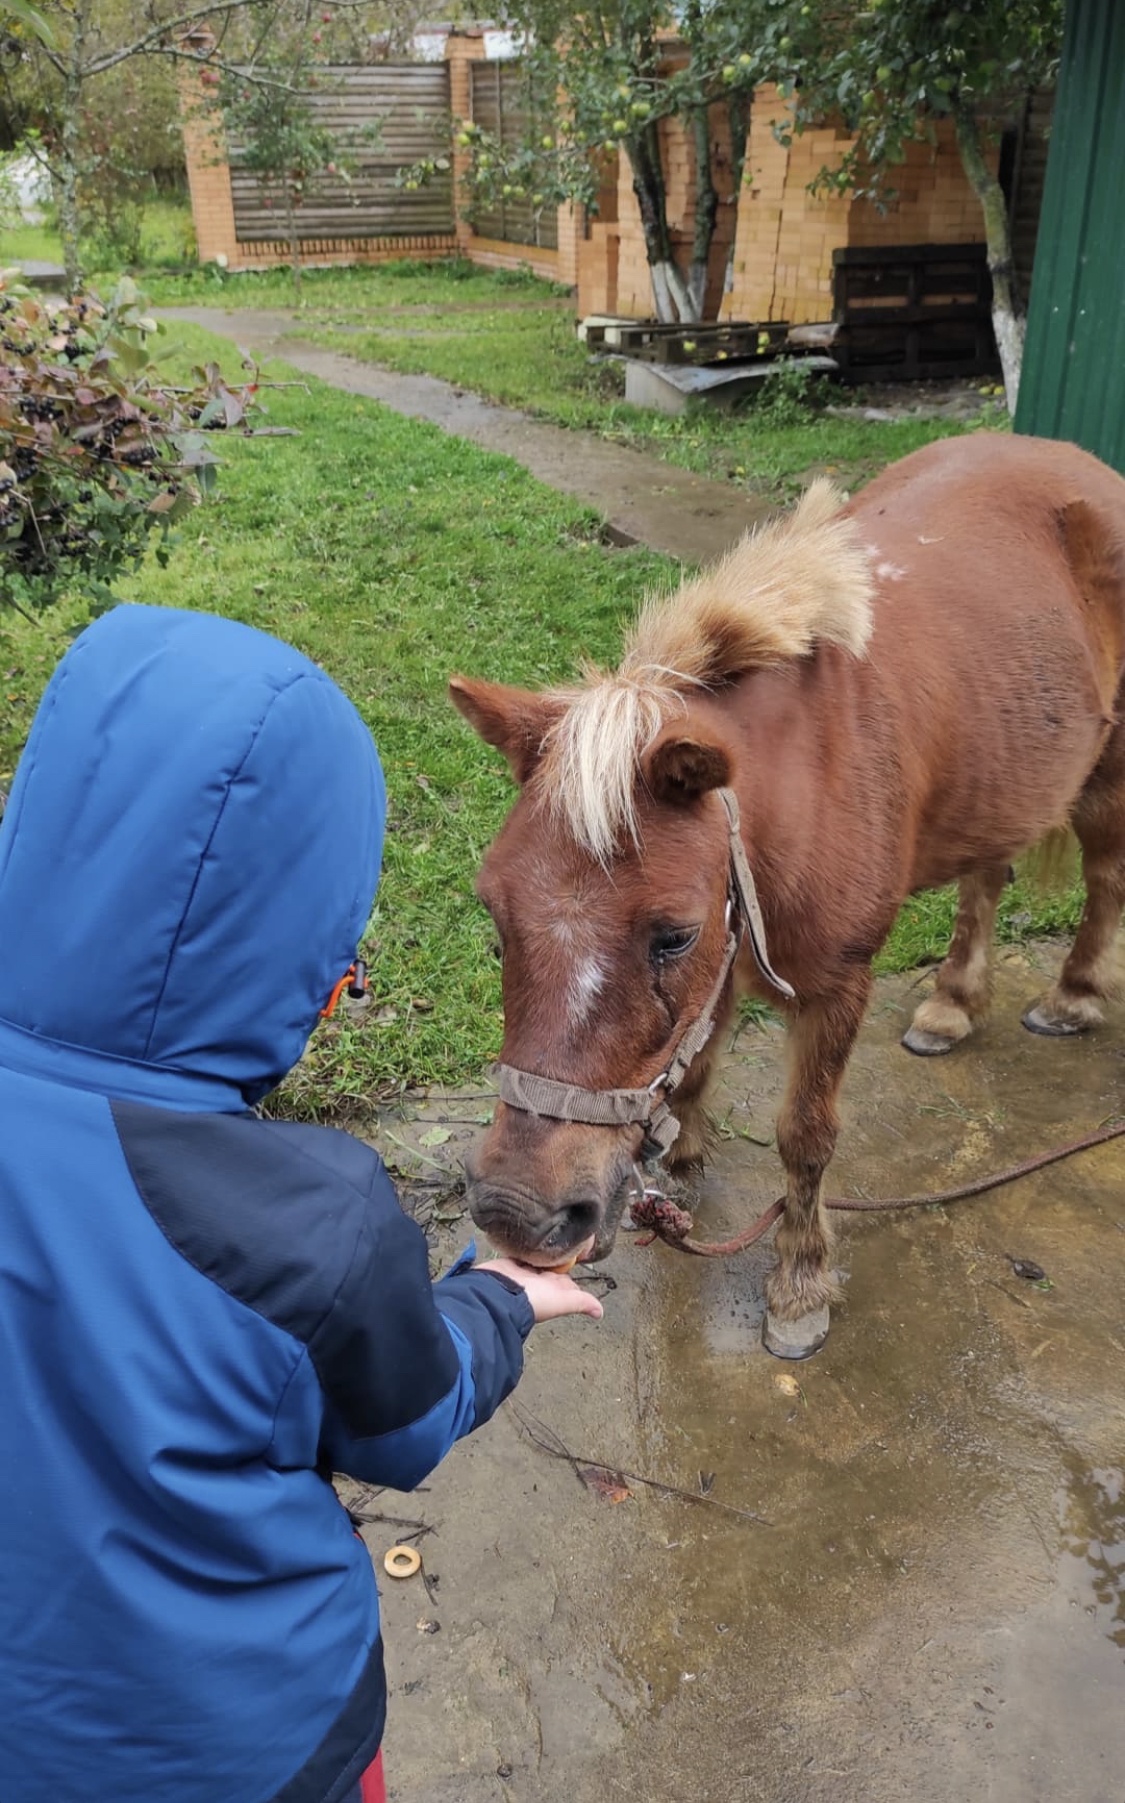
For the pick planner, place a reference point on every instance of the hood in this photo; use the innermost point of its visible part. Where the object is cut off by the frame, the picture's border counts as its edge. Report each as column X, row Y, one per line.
column 187, row 861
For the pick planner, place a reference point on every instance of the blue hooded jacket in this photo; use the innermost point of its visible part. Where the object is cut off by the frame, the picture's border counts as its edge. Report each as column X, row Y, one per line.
column 202, row 1313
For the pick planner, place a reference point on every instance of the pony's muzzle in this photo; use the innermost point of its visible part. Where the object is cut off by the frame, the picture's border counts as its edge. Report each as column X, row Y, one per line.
column 540, row 1188
column 521, row 1228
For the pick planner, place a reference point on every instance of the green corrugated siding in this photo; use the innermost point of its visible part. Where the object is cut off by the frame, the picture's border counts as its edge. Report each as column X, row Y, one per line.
column 1073, row 382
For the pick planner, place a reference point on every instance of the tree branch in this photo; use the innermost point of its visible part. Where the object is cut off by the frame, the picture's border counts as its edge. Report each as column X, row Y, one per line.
column 151, row 39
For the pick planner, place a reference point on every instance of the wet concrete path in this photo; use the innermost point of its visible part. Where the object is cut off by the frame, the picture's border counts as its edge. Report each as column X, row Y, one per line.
column 936, row 1608
column 644, row 500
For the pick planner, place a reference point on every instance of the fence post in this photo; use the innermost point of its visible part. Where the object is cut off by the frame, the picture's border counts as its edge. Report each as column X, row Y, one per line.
column 205, row 153
column 462, row 49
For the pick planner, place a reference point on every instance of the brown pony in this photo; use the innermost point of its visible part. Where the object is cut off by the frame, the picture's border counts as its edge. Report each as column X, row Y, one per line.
column 901, row 691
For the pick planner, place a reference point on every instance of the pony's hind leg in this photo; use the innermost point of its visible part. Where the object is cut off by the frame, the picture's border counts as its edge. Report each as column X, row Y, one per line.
column 1089, row 975
column 963, row 988
column 801, row 1287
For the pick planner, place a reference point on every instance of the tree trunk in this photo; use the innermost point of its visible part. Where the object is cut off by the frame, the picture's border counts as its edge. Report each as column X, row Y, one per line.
column 70, row 225
column 670, row 291
column 1008, row 319
column 294, row 241
column 706, row 212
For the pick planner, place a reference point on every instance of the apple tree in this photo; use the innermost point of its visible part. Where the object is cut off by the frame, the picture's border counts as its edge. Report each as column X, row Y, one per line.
column 603, row 80
column 890, row 67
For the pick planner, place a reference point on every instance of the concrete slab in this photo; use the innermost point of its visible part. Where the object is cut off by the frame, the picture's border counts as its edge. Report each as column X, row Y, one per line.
column 669, row 387
column 37, row 274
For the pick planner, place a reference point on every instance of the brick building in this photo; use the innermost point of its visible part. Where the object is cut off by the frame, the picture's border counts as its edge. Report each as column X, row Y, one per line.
column 783, row 237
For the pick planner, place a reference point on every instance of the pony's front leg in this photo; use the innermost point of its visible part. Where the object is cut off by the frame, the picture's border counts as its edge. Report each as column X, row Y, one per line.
column 801, row 1287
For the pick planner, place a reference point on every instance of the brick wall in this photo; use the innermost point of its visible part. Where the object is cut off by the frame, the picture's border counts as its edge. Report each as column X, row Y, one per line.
column 782, row 265
column 784, row 238
column 785, row 241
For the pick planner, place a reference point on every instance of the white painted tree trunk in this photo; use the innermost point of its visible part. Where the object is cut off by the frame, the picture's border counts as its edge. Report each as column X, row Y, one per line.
column 1011, row 330
column 671, row 294
column 697, row 288
column 1008, row 320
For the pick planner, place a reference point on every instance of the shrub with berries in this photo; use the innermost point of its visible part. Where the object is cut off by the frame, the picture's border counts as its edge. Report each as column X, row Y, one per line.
column 98, row 457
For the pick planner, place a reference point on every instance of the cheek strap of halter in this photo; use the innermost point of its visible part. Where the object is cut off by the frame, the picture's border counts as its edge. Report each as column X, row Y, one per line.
column 649, row 1107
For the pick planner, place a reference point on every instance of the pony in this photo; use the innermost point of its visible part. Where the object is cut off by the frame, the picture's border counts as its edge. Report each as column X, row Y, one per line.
column 862, row 700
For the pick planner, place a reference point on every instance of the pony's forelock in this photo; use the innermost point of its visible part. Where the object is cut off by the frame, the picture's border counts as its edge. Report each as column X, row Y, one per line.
column 800, row 580
column 591, row 754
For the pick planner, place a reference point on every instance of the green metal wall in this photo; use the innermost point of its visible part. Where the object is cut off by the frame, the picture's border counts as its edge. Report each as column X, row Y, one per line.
column 1073, row 382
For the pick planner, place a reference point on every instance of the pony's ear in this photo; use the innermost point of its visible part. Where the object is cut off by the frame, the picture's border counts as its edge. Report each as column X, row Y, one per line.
column 516, row 721
column 679, row 768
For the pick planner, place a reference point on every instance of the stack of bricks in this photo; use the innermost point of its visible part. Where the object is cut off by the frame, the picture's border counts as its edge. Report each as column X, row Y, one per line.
column 786, row 236
column 933, row 200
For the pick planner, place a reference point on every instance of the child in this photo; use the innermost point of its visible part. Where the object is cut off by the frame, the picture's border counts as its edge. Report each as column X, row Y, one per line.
column 202, row 1313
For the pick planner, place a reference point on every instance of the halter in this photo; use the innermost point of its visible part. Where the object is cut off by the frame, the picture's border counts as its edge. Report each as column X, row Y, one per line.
column 649, row 1108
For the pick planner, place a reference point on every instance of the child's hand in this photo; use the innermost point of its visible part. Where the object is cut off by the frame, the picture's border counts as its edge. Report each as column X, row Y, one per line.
column 550, row 1293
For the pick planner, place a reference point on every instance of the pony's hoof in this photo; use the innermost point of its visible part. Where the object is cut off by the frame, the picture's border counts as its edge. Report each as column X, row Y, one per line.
column 1050, row 1026
column 796, row 1339
column 927, row 1045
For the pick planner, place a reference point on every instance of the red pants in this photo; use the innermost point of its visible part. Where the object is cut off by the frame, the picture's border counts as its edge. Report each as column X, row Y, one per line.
column 371, row 1788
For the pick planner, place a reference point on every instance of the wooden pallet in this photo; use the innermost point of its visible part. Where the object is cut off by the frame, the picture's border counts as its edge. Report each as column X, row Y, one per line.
column 712, row 342
column 913, row 312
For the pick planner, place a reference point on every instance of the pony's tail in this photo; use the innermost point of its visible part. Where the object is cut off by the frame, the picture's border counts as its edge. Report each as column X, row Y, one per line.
column 1053, row 863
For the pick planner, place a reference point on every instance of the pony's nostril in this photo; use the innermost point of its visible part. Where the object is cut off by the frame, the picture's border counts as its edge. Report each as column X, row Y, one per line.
column 573, row 1224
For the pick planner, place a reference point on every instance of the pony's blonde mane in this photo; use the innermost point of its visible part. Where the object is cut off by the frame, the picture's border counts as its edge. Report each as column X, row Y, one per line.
column 802, row 579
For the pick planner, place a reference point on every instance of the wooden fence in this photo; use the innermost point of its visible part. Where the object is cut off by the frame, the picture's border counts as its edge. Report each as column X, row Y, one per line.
column 385, row 117
column 502, row 104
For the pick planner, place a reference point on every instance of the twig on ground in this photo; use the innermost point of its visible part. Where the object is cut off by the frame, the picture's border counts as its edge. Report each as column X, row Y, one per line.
column 430, row 1583
column 1005, row 1291
column 417, row 1530
column 546, row 1439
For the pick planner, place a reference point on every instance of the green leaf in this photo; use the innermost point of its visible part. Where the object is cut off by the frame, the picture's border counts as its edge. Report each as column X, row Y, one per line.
column 19, row 12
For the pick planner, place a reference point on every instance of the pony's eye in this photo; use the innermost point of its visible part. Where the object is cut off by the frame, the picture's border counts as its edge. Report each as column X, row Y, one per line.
column 672, row 942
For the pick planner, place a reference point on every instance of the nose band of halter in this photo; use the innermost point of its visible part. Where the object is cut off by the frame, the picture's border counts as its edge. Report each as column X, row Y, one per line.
column 648, row 1108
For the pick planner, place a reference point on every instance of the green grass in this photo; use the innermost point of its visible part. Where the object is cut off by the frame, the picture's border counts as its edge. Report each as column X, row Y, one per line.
column 511, row 337
column 167, row 242
column 394, row 555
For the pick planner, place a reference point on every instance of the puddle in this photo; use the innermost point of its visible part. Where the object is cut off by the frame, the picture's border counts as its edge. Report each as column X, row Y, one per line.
column 944, row 1572
column 1092, row 1521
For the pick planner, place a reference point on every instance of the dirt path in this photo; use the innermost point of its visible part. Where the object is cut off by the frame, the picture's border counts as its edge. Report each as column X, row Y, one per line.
column 936, row 1610
column 644, row 500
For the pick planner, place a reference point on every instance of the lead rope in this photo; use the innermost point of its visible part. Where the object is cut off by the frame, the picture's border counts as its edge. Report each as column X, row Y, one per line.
column 673, row 1225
